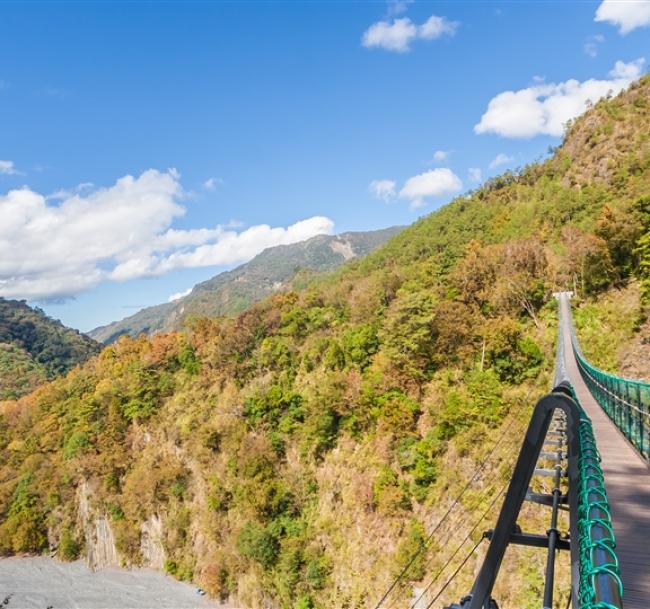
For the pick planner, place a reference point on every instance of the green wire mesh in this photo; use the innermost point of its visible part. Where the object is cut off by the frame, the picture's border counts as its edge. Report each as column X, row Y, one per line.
column 596, row 541
column 626, row 402
column 598, row 565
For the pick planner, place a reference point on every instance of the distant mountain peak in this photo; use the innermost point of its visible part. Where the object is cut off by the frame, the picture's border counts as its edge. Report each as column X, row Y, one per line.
column 232, row 291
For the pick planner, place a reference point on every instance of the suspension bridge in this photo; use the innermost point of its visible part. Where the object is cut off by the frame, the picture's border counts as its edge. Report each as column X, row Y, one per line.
column 591, row 437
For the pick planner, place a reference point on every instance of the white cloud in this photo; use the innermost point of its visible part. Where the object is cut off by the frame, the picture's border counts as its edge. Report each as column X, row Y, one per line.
column 212, row 183
column 435, row 27
column 179, row 295
column 501, row 159
column 62, row 194
column 627, row 71
column 433, row 183
column 474, row 174
column 57, row 248
column 383, row 189
column 626, row 14
column 397, row 7
column 8, row 168
column 440, row 155
column 230, row 247
column 591, row 45
column 543, row 109
column 398, row 34
column 395, row 36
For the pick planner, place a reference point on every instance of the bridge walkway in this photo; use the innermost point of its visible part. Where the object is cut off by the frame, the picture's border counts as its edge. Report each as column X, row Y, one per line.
column 627, row 479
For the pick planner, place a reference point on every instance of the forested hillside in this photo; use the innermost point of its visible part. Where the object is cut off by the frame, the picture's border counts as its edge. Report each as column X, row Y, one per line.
column 297, row 455
column 233, row 291
column 34, row 347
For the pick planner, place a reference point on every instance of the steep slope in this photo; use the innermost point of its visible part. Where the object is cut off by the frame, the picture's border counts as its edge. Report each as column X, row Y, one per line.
column 297, row 454
column 34, row 347
column 233, row 291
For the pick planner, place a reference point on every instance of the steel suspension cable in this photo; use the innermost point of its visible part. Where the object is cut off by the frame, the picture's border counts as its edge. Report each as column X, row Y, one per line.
column 456, row 572
column 425, row 544
column 462, row 543
column 456, row 524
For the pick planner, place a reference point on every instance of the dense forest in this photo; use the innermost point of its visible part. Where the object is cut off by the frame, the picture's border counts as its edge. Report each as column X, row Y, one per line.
column 34, row 348
column 297, row 455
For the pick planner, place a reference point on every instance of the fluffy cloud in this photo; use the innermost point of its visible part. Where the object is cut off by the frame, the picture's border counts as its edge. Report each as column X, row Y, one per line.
column 591, row 46
column 435, row 27
column 231, row 247
column 474, row 174
column 440, row 155
column 543, row 109
column 212, row 183
column 53, row 248
column 395, row 36
column 434, row 183
column 501, row 159
column 397, row 7
column 627, row 15
column 383, row 189
column 8, row 168
column 179, row 295
column 398, row 34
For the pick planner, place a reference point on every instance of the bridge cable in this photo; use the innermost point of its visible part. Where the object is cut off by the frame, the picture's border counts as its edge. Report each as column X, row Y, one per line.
column 455, row 525
column 462, row 543
column 426, row 542
column 453, row 576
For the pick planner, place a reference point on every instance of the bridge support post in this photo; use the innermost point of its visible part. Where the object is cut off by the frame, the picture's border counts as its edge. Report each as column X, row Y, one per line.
column 480, row 597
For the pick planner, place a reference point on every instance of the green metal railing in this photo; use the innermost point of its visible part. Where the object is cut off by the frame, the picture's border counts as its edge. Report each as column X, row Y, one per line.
column 626, row 401
column 600, row 585
column 595, row 573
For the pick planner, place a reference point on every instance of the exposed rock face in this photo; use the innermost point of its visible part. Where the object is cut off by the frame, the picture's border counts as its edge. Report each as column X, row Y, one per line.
column 151, row 547
column 343, row 247
column 100, row 541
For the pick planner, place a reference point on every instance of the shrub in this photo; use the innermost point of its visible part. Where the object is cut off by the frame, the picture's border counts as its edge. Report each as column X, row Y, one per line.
column 257, row 543
column 76, row 442
column 412, row 542
column 389, row 495
column 69, row 547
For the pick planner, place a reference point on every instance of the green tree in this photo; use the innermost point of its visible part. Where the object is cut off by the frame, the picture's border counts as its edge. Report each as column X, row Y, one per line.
column 408, row 333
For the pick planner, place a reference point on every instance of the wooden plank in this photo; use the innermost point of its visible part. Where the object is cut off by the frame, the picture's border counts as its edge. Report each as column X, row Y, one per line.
column 627, row 480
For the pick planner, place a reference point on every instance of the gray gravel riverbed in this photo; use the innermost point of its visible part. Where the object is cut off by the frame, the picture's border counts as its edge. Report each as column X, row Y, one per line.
column 39, row 583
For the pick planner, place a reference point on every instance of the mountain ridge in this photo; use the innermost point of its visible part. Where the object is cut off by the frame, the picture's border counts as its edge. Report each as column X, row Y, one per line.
column 34, row 348
column 232, row 291
column 299, row 453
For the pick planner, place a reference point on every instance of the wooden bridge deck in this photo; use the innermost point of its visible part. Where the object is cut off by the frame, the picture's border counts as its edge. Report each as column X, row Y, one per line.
column 627, row 479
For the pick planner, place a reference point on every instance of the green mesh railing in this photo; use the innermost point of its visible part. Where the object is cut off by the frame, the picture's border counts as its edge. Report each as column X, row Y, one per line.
column 626, row 402
column 600, row 585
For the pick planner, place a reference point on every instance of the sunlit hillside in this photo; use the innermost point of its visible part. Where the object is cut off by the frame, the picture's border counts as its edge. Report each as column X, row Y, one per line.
column 297, row 455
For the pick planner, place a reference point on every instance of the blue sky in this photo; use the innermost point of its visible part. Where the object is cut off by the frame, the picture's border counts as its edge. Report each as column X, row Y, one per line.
column 303, row 116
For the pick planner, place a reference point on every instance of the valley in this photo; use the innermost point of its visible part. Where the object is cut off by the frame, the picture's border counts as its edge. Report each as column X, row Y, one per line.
column 297, row 453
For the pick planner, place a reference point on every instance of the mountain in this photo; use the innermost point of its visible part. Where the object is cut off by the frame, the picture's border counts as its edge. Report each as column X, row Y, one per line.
column 34, row 348
column 297, row 454
column 233, row 291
